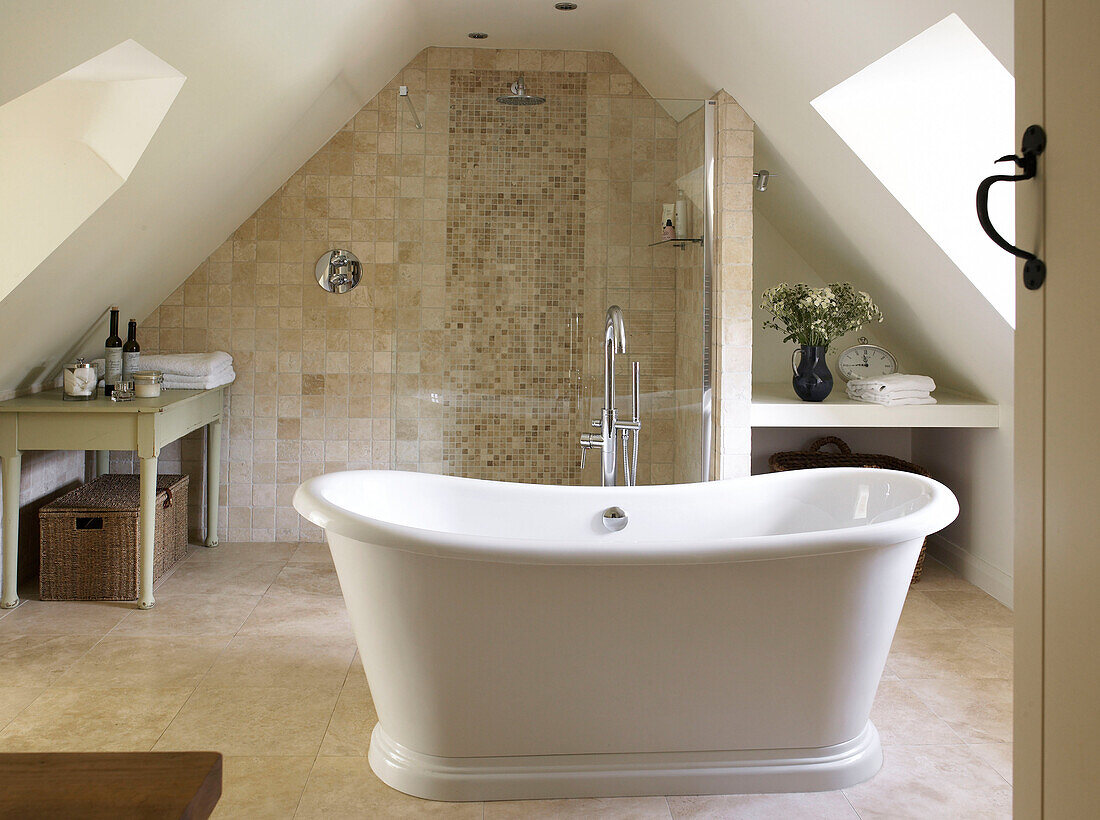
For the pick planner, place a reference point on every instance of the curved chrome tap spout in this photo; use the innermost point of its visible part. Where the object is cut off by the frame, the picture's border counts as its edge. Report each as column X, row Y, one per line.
column 614, row 341
column 614, row 330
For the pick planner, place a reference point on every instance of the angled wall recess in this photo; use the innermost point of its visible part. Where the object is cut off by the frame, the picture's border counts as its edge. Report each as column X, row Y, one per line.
column 69, row 144
column 928, row 119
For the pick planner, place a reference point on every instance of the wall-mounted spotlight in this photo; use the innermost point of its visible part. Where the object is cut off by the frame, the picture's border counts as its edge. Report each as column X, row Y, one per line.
column 761, row 179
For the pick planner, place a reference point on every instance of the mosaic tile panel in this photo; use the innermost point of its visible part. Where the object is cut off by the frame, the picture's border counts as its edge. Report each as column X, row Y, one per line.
column 515, row 261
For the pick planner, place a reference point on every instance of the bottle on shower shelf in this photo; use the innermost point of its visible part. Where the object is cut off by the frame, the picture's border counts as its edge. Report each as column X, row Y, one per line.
column 668, row 231
column 683, row 215
column 668, row 216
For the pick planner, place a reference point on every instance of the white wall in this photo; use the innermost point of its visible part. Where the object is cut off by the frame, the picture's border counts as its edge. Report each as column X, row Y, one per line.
column 775, row 262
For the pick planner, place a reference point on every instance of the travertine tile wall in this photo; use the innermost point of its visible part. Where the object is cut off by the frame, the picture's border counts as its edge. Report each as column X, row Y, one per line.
column 631, row 167
column 376, row 378
column 733, row 291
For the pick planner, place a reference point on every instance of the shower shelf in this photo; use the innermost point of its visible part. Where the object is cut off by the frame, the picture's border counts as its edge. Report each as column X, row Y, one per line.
column 679, row 243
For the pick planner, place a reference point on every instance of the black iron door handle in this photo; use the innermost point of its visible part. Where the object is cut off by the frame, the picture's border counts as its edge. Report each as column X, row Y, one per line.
column 1034, row 141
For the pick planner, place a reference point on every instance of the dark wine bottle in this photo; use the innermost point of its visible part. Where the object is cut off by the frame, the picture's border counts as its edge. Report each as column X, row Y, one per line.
column 112, row 355
column 131, row 351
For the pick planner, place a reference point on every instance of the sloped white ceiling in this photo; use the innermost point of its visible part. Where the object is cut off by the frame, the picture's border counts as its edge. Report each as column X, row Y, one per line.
column 269, row 82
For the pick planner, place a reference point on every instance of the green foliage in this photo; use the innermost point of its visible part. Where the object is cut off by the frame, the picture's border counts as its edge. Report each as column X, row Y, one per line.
column 818, row 316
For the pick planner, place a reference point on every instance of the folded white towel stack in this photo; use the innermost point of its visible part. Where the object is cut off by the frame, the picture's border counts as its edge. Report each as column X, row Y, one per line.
column 187, row 364
column 191, row 371
column 893, row 390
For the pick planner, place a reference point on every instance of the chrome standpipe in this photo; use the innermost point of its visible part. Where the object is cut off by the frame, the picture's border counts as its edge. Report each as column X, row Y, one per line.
column 608, row 423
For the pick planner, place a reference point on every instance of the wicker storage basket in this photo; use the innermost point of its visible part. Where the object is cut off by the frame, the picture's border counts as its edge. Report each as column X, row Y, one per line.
column 815, row 457
column 90, row 538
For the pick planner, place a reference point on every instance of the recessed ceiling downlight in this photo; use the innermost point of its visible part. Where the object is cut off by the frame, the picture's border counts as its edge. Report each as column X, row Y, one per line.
column 478, row 35
column 565, row 6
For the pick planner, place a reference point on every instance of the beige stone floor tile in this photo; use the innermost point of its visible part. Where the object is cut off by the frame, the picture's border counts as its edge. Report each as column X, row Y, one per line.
column 245, row 551
column 997, row 755
column 13, row 699
column 178, row 614
column 353, row 719
column 903, row 719
column 946, row 653
column 313, row 578
column 283, row 612
column 262, row 788
column 921, row 613
column 308, row 553
column 605, row 808
column 64, row 719
column 37, row 661
column 811, row 806
column 248, row 720
column 249, row 578
column 979, row 711
column 974, row 609
column 932, row 782
column 127, row 660
column 345, row 787
column 937, row 577
column 302, row 662
column 1000, row 638
column 35, row 617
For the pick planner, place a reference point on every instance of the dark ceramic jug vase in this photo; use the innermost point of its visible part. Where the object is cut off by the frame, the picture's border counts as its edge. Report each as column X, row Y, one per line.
column 812, row 379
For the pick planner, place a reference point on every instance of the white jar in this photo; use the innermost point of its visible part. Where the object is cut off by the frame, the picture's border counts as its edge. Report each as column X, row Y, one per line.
column 147, row 383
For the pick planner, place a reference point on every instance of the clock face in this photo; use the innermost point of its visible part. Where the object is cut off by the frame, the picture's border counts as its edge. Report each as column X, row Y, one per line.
column 866, row 362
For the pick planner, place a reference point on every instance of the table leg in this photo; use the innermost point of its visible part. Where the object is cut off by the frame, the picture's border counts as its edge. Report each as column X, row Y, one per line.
column 213, row 479
column 102, row 462
column 11, row 467
column 147, row 521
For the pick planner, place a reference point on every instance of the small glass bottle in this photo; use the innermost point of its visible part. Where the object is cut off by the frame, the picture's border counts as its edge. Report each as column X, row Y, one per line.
column 131, row 353
column 112, row 356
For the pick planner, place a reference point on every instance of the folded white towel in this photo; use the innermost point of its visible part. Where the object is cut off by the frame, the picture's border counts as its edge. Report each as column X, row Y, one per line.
column 892, row 402
column 187, row 364
column 223, row 376
column 887, row 394
column 895, row 381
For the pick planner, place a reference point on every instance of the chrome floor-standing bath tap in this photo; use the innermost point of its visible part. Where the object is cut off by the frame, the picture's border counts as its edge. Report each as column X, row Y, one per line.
column 608, row 423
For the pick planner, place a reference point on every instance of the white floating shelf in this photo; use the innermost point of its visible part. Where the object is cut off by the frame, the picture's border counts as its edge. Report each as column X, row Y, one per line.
column 776, row 405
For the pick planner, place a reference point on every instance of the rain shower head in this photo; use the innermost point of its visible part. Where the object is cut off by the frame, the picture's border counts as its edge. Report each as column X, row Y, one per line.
column 519, row 95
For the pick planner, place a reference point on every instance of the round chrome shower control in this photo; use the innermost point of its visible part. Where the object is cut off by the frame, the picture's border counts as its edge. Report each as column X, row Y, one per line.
column 614, row 518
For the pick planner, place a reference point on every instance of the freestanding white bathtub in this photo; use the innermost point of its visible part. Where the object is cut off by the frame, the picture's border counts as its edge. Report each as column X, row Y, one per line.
column 729, row 639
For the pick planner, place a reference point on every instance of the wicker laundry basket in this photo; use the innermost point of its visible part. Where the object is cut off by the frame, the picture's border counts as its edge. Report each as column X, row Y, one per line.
column 814, row 456
column 90, row 538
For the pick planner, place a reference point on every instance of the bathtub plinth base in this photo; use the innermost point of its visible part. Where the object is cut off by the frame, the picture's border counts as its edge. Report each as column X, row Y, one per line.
column 624, row 775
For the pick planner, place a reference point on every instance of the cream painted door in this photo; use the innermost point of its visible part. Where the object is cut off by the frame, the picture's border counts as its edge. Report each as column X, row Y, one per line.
column 1057, row 569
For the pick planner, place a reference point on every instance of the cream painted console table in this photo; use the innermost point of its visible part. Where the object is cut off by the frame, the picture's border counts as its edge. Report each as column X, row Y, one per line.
column 44, row 421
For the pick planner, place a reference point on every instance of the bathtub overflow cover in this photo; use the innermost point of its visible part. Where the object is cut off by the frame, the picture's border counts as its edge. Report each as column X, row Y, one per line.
column 614, row 518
